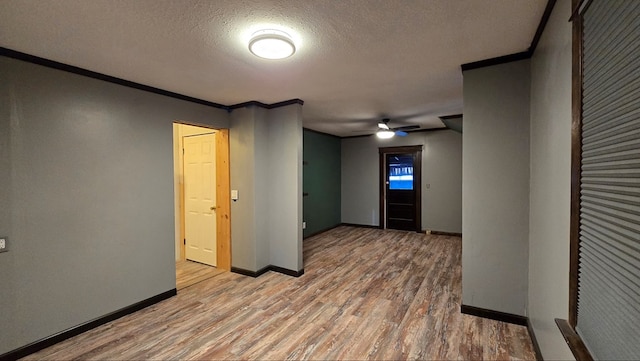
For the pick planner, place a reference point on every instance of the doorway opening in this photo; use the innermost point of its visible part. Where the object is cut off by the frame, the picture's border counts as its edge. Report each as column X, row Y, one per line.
column 400, row 188
column 202, row 203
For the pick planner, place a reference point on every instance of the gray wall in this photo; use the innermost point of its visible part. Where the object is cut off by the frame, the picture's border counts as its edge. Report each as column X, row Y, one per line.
column 242, row 158
column 550, row 183
column 321, row 181
column 495, row 187
column 441, row 169
column 266, row 158
column 498, row 196
column 8, row 293
column 262, row 187
column 284, row 176
column 87, row 170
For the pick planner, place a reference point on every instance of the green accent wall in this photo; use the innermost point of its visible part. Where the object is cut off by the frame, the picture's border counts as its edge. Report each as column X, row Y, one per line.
column 321, row 181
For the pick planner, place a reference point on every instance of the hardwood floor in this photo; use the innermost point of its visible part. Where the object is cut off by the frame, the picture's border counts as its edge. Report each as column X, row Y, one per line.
column 365, row 294
column 188, row 273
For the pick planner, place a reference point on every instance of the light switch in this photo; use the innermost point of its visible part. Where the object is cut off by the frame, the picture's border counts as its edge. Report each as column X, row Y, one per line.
column 234, row 194
column 3, row 244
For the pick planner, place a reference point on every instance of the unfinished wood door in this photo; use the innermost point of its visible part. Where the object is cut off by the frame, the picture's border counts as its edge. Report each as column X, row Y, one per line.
column 200, row 198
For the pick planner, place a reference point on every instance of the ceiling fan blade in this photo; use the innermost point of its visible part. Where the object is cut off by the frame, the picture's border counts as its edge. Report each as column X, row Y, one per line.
column 407, row 127
column 401, row 133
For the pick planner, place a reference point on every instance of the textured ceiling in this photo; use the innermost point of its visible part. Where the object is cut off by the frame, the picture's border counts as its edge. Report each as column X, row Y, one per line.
column 356, row 60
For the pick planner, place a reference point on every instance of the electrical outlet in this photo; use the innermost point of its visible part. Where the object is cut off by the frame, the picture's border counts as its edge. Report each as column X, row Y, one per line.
column 3, row 244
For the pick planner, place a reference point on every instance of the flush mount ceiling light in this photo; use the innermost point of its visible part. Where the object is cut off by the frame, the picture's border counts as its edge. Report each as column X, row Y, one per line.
column 271, row 44
column 384, row 134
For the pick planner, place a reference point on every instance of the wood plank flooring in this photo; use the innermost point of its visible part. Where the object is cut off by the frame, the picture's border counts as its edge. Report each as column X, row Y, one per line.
column 365, row 294
column 188, row 273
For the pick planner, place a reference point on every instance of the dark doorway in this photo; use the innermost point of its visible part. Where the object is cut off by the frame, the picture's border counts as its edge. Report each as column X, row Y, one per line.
column 400, row 196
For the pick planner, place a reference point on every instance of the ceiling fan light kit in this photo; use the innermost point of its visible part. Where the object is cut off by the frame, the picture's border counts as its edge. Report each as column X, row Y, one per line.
column 271, row 44
column 384, row 133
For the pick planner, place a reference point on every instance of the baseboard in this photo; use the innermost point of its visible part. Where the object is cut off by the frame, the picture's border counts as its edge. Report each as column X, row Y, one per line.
column 360, row 225
column 441, row 233
column 322, row 231
column 534, row 341
column 494, row 315
column 506, row 317
column 378, row 227
column 286, row 271
column 246, row 272
column 264, row 270
column 76, row 330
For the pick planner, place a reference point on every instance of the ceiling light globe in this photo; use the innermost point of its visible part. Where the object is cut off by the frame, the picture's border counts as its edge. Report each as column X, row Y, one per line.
column 384, row 134
column 271, row 44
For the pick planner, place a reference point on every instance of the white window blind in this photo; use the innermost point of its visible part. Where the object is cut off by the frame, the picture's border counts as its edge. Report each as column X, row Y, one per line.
column 608, row 318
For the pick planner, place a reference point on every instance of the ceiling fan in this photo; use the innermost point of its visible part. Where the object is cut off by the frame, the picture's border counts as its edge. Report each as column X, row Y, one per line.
column 385, row 132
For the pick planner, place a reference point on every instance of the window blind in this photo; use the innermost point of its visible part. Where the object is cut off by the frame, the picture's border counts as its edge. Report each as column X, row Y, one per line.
column 608, row 318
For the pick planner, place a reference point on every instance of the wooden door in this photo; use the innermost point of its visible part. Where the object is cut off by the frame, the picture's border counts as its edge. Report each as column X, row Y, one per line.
column 200, row 198
column 401, row 193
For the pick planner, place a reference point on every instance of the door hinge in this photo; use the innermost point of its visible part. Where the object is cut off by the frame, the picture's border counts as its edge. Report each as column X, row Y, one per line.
column 184, row 241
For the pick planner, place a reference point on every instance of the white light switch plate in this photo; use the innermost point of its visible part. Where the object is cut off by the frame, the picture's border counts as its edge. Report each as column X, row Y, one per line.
column 3, row 244
column 234, row 194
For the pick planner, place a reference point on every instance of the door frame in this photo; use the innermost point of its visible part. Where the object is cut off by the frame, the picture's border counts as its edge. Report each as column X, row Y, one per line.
column 223, row 198
column 417, row 180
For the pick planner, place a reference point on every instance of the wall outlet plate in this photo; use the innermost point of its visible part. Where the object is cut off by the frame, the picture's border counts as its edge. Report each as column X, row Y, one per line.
column 3, row 244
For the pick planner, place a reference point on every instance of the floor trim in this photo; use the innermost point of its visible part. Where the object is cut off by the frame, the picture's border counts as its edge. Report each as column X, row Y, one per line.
column 534, row 341
column 440, row 233
column 264, row 270
column 286, row 271
column 246, row 272
column 76, row 330
column 494, row 315
column 360, row 225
